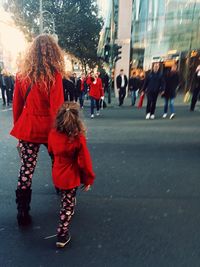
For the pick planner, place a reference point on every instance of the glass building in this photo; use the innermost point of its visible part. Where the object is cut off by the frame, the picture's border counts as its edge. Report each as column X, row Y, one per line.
column 164, row 31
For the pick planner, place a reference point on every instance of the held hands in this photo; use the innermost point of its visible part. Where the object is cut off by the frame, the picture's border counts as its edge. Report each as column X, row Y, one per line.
column 86, row 188
column 102, row 97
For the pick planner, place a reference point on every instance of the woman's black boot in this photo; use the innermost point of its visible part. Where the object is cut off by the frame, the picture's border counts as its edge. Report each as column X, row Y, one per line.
column 23, row 199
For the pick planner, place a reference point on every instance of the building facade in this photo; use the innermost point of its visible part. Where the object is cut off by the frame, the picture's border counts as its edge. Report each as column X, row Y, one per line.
column 164, row 31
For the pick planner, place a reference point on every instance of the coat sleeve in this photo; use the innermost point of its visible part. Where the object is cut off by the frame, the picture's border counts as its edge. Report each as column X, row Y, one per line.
column 56, row 95
column 85, row 163
column 18, row 101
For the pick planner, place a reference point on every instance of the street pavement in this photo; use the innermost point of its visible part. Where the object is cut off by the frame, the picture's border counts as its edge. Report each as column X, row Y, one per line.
column 143, row 210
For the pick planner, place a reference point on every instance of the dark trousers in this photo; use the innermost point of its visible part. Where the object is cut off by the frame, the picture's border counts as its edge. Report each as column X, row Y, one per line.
column 93, row 102
column 76, row 95
column 81, row 98
column 4, row 91
column 194, row 97
column 68, row 95
column 151, row 102
column 122, row 94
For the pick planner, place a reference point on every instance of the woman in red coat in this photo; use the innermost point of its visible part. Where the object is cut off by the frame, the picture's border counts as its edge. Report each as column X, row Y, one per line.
column 37, row 96
column 96, row 93
column 72, row 163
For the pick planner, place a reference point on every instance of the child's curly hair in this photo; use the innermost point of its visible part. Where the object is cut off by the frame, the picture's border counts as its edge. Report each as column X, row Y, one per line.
column 68, row 120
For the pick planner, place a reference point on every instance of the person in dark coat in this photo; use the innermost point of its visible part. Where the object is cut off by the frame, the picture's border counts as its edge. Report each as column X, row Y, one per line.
column 134, row 84
column 68, row 87
column 195, row 88
column 105, row 81
column 5, row 87
column 75, row 79
column 153, row 85
column 122, row 82
column 171, row 84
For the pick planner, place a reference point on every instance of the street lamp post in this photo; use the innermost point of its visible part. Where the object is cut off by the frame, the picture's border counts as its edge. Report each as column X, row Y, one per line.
column 111, row 50
column 41, row 18
column 42, row 12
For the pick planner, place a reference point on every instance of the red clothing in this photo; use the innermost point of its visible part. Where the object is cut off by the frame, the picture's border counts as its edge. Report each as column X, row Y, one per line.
column 88, row 80
column 72, row 162
column 96, row 89
column 33, row 122
column 82, row 84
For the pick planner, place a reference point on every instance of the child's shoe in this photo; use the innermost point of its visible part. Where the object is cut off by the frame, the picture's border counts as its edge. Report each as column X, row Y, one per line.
column 62, row 241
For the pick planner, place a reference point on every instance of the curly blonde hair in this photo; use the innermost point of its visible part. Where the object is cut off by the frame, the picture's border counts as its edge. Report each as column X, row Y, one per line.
column 43, row 58
column 68, row 120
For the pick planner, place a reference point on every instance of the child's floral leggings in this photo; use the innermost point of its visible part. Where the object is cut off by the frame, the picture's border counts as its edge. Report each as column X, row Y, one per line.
column 68, row 201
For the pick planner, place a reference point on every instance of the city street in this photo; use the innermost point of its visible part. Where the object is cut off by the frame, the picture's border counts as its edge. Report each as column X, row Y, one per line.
column 143, row 210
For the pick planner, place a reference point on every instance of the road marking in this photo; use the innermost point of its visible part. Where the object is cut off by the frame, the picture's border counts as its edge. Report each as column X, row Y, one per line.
column 51, row 236
column 8, row 109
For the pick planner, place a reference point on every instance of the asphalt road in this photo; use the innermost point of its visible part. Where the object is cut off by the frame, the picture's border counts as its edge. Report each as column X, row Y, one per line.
column 143, row 210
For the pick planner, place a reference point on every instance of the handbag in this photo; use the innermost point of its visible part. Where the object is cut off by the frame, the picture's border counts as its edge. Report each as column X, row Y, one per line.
column 187, row 97
column 141, row 100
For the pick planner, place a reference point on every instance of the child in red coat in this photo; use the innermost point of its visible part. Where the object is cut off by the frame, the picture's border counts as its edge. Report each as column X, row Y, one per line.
column 72, row 163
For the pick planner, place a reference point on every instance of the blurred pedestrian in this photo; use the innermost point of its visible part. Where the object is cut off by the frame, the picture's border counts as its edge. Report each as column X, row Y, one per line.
column 195, row 88
column 169, row 94
column 96, row 93
column 122, row 82
column 76, row 89
column 105, row 82
column 134, row 84
column 153, row 85
column 82, row 89
column 37, row 97
column 68, row 87
column 5, row 87
column 72, row 164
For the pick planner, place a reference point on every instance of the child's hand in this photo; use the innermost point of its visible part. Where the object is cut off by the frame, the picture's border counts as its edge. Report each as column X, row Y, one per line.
column 86, row 187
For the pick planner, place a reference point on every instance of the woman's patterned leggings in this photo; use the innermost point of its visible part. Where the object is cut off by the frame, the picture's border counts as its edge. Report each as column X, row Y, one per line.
column 29, row 154
column 68, row 201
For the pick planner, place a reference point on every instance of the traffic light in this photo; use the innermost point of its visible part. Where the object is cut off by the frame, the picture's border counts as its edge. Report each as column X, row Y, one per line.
column 117, row 51
column 107, row 53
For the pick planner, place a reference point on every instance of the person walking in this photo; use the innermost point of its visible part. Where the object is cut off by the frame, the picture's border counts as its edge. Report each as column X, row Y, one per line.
column 72, row 164
column 195, row 88
column 96, row 93
column 5, row 87
column 38, row 94
column 122, row 82
column 82, row 88
column 134, row 84
column 169, row 94
column 153, row 85
column 68, row 87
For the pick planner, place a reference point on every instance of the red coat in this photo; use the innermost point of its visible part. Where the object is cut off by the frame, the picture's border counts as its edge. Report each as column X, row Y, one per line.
column 96, row 89
column 33, row 122
column 72, row 162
